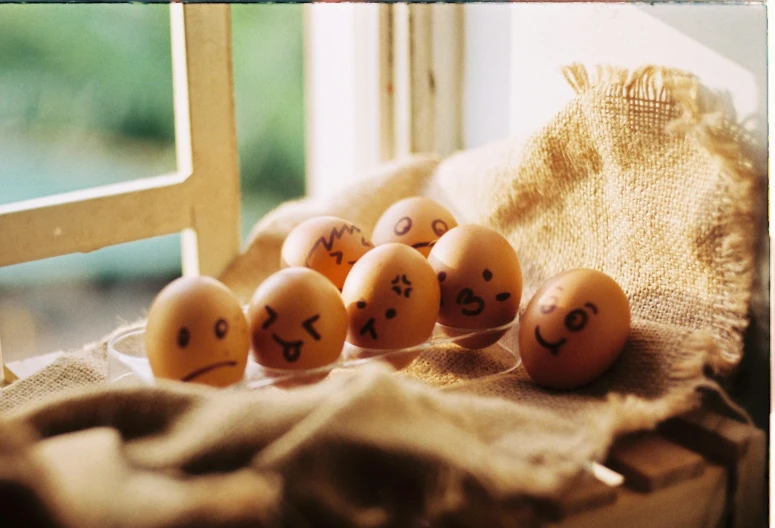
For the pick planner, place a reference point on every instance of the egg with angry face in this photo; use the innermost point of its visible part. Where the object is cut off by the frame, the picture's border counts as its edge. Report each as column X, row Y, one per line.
column 197, row 332
column 392, row 298
column 480, row 279
column 297, row 320
column 326, row 244
column 417, row 222
column 573, row 328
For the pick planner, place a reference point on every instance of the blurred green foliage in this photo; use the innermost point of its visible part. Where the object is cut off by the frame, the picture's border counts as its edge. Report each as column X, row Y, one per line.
column 107, row 69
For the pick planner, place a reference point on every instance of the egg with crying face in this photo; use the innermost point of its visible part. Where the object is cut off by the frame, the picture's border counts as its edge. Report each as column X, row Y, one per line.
column 197, row 332
column 297, row 320
column 392, row 298
column 417, row 222
column 573, row 328
column 481, row 283
column 326, row 244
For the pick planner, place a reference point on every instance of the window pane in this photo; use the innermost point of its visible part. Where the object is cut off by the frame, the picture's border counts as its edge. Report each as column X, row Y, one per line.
column 87, row 97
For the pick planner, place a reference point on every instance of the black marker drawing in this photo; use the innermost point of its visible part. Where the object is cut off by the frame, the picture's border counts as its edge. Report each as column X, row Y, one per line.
column 403, row 226
column 369, row 327
column 307, row 324
column 361, row 304
column 439, row 227
column 184, row 336
column 576, row 320
column 466, row 298
column 272, row 317
column 338, row 255
column 554, row 348
column 502, row 296
column 487, row 275
column 328, row 242
column 208, row 368
column 221, row 328
column 442, row 275
column 390, row 313
column 397, row 287
column 291, row 349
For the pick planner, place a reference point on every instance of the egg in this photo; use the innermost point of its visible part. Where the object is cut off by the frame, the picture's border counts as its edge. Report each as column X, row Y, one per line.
column 392, row 298
column 197, row 332
column 480, row 280
column 417, row 222
column 573, row 328
column 297, row 320
column 326, row 244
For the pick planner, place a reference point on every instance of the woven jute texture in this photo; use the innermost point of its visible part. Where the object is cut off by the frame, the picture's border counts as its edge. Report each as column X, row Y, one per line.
column 641, row 176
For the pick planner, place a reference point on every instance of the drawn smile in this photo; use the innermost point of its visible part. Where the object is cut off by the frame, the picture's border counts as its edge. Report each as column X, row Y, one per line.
column 554, row 348
column 207, row 369
column 418, row 245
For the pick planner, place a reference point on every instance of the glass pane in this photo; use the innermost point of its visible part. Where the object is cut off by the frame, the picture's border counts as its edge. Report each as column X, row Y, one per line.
column 86, row 97
column 269, row 99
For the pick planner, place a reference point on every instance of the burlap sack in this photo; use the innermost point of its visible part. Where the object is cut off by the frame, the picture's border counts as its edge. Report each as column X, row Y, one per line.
column 641, row 176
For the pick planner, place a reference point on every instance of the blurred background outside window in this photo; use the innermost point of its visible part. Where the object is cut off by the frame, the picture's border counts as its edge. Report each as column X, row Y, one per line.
column 86, row 100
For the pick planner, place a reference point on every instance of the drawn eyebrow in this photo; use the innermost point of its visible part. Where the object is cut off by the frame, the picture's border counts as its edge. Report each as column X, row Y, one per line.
column 272, row 317
column 307, row 324
column 591, row 307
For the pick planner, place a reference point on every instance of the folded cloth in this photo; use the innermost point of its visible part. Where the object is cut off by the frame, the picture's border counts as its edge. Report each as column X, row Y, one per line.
column 640, row 176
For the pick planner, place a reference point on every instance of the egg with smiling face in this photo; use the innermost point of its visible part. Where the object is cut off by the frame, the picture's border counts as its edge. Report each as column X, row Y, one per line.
column 197, row 332
column 392, row 298
column 417, row 222
column 481, row 282
column 573, row 328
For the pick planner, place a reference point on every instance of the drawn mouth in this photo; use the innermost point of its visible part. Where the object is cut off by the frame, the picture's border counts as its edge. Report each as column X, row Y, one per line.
column 369, row 328
column 208, row 368
column 423, row 244
column 554, row 348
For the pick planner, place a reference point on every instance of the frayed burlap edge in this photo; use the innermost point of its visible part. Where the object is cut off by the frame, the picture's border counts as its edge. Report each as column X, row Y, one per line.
column 702, row 118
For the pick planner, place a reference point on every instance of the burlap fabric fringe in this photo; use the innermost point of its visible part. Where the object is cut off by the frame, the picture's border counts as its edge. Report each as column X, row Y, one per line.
column 640, row 176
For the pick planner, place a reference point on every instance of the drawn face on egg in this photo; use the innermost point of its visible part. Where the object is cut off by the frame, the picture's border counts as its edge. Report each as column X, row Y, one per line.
column 479, row 276
column 297, row 320
column 574, row 319
column 573, row 328
column 417, row 222
column 197, row 332
column 326, row 244
column 392, row 299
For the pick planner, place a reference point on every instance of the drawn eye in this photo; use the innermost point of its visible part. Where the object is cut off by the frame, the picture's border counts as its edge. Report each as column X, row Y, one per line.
column 361, row 304
column 390, row 313
column 403, row 226
column 576, row 320
column 439, row 227
column 549, row 306
column 442, row 276
column 307, row 324
column 184, row 336
column 487, row 275
column 221, row 328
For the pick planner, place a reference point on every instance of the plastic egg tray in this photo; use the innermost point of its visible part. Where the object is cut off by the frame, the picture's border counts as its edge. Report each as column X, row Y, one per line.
column 440, row 361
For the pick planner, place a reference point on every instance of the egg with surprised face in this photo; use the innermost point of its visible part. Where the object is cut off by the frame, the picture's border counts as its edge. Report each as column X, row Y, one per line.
column 392, row 298
column 297, row 320
column 326, row 244
column 197, row 332
column 573, row 328
column 417, row 222
column 481, row 282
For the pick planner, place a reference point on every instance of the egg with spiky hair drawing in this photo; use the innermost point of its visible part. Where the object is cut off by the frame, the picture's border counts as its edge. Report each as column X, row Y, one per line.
column 326, row 244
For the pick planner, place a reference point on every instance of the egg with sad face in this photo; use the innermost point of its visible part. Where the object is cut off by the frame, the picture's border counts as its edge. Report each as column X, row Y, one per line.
column 197, row 332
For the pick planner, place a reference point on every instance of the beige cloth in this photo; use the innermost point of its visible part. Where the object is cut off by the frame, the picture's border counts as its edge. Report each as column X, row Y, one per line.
column 640, row 176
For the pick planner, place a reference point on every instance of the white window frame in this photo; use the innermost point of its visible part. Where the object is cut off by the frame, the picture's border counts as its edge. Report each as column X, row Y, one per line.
column 201, row 200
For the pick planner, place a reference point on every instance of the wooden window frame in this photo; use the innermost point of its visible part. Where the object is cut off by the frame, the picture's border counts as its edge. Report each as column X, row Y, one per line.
column 201, row 199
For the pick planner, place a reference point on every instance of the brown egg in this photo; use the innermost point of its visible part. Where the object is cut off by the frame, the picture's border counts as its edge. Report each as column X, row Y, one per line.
column 392, row 298
column 297, row 320
column 480, row 279
column 197, row 332
column 573, row 329
column 326, row 244
column 416, row 222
